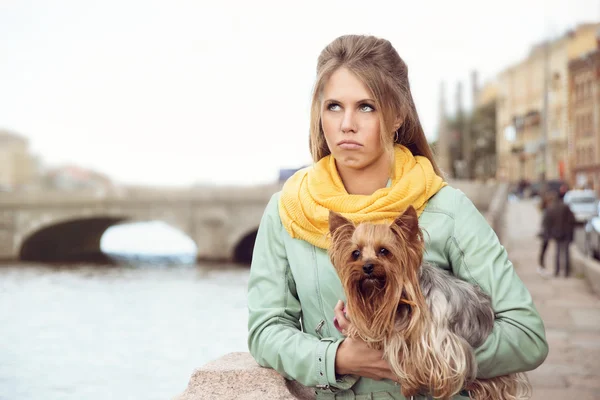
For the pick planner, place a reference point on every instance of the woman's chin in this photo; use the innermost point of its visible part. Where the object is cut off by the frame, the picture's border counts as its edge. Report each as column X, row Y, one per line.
column 351, row 161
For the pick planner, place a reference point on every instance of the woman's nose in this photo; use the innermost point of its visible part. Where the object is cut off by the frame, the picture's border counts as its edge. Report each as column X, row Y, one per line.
column 348, row 122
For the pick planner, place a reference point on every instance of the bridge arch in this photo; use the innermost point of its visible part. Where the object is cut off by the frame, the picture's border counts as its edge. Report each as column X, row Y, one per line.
column 72, row 239
column 244, row 246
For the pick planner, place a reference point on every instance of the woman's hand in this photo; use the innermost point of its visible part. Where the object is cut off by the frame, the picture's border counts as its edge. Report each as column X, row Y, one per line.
column 354, row 357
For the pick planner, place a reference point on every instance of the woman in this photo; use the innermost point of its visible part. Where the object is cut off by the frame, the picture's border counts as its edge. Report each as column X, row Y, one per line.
column 372, row 160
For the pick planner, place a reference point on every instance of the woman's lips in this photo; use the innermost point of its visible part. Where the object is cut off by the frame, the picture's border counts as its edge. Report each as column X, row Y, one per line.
column 348, row 145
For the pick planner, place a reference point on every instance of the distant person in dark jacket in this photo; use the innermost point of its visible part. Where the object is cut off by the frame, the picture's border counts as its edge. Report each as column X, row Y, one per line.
column 559, row 224
column 545, row 202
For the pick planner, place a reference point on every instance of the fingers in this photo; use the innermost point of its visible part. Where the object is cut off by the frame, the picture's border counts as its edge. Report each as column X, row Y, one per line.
column 379, row 374
column 339, row 306
column 361, row 359
column 340, row 321
column 388, row 373
column 371, row 376
column 391, row 376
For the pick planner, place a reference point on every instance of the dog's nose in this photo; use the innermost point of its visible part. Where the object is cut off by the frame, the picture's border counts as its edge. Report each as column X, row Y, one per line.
column 368, row 268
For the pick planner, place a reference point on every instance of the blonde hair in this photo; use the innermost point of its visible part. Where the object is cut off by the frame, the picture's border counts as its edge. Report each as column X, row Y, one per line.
column 377, row 64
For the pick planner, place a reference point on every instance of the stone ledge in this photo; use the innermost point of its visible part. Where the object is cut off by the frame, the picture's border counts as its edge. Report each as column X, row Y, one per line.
column 237, row 376
column 589, row 267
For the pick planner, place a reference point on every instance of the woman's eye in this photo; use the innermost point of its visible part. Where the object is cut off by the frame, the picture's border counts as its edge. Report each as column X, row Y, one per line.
column 355, row 254
column 383, row 251
column 333, row 107
column 366, row 108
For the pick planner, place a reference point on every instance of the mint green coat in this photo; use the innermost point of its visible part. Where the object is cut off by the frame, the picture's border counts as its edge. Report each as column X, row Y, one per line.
column 293, row 289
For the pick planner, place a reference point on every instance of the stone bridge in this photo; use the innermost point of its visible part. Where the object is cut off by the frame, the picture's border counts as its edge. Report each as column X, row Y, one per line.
column 63, row 226
column 59, row 226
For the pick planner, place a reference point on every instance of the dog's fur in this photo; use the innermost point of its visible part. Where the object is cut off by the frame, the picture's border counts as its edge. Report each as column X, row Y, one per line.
column 426, row 321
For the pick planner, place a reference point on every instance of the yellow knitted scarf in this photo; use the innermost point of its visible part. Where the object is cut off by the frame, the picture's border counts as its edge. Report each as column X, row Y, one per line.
column 310, row 193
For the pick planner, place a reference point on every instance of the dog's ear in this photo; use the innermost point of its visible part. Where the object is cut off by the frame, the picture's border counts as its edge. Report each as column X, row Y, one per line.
column 408, row 223
column 336, row 221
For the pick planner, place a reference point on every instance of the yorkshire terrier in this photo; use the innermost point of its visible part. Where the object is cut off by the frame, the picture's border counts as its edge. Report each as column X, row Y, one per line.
column 427, row 321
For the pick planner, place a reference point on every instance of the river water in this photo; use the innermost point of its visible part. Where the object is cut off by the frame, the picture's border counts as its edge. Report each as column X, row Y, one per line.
column 129, row 332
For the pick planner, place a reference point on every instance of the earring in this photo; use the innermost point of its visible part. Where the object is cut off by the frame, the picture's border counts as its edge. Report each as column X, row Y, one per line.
column 396, row 137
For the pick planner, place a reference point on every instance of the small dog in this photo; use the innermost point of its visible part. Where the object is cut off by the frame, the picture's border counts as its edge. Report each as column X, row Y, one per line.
column 426, row 321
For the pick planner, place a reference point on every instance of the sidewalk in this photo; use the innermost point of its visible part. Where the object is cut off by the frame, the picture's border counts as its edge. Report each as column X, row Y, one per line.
column 571, row 315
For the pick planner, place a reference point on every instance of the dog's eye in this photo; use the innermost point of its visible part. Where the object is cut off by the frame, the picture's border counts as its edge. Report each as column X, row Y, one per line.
column 383, row 251
column 355, row 254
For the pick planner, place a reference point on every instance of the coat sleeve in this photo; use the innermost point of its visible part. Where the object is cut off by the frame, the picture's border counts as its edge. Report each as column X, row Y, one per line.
column 546, row 221
column 275, row 338
column 517, row 342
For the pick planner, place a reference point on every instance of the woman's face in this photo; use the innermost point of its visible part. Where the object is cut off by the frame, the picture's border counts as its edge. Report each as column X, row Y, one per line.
column 350, row 122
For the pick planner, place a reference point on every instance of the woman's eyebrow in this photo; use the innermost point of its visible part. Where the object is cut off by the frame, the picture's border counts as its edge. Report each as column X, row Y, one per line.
column 357, row 102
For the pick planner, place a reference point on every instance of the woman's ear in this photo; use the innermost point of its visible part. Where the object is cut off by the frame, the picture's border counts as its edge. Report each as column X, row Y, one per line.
column 398, row 123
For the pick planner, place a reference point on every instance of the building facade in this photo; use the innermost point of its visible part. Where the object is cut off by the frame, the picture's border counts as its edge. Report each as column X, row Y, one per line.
column 531, row 147
column 584, row 116
column 18, row 167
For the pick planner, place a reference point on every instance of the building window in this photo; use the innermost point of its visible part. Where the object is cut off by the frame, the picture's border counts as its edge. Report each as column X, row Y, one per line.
column 584, row 153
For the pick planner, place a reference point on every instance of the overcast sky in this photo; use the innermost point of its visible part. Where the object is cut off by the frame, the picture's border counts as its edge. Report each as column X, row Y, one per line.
column 182, row 92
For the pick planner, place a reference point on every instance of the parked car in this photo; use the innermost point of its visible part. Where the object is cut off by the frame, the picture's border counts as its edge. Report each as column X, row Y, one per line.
column 592, row 238
column 583, row 203
column 537, row 188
